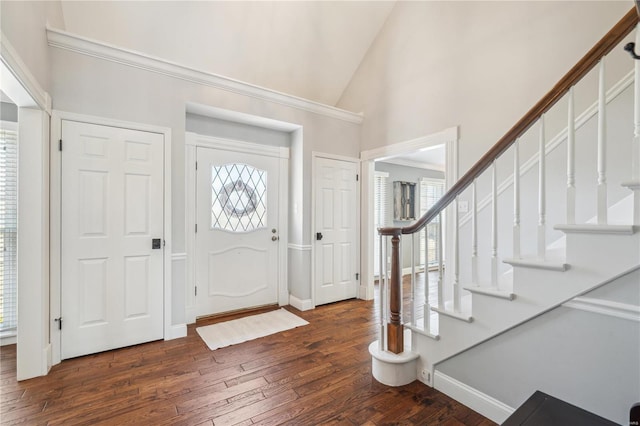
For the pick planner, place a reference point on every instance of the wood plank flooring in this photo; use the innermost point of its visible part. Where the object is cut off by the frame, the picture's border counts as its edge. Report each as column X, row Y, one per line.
column 319, row 374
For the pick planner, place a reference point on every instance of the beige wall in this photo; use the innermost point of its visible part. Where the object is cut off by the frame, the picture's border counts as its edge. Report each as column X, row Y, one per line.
column 86, row 85
column 24, row 23
column 479, row 65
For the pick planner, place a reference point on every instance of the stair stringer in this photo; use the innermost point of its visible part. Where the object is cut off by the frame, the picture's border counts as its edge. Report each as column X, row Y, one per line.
column 538, row 291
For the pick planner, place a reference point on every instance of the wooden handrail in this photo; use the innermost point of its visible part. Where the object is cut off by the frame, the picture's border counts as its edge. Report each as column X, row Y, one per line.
column 604, row 46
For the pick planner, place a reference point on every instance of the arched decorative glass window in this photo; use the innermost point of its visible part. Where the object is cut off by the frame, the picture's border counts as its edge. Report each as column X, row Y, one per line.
column 238, row 198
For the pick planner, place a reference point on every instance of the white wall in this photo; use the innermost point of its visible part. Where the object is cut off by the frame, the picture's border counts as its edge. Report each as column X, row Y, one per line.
column 236, row 131
column 480, row 65
column 587, row 359
column 23, row 23
column 87, row 85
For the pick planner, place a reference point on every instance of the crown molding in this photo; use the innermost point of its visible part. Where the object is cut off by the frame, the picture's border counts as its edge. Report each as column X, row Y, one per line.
column 97, row 49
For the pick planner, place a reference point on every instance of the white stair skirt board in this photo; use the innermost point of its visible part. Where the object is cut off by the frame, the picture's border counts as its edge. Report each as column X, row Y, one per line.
column 394, row 369
column 248, row 328
column 472, row 398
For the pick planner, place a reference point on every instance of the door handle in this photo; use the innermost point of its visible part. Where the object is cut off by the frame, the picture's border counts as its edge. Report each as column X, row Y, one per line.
column 275, row 238
column 156, row 243
column 318, row 236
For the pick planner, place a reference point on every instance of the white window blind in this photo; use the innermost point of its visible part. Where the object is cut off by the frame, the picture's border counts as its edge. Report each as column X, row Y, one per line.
column 381, row 206
column 430, row 191
column 8, row 227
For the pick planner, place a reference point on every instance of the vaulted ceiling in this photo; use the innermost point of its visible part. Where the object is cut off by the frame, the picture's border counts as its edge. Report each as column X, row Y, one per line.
column 309, row 49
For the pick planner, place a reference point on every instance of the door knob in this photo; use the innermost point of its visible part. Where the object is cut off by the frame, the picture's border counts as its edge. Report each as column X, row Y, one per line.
column 156, row 243
column 275, row 238
column 318, row 236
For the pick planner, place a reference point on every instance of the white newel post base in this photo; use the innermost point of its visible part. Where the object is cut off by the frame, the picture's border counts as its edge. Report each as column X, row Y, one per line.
column 393, row 369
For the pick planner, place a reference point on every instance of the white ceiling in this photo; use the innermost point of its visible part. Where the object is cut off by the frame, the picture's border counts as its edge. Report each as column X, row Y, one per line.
column 309, row 49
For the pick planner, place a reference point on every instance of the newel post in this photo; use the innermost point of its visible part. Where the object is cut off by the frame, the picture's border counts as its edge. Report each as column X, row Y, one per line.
column 395, row 331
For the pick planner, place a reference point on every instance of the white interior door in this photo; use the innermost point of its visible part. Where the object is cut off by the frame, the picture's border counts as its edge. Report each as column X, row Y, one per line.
column 237, row 238
column 336, row 219
column 112, row 208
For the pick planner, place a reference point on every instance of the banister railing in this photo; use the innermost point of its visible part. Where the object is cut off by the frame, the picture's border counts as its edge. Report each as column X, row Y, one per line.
column 394, row 334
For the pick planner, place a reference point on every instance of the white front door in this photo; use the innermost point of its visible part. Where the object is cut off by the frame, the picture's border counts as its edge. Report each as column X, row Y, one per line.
column 112, row 210
column 336, row 221
column 237, row 238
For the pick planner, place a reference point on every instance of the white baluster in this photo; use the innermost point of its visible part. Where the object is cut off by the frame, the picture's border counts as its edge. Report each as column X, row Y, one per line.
column 494, row 226
column 516, row 199
column 382, row 272
column 401, row 295
column 457, row 296
column 474, row 234
column 412, row 301
column 542, row 208
column 440, row 264
column 426, row 308
column 571, row 162
column 602, row 148
column 634, row 184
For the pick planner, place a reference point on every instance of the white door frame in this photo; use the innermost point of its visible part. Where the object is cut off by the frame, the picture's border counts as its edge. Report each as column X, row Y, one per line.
column 314, row 166
column 56, row 210
column 448, row 137
column 34, row 110
column 192, row 142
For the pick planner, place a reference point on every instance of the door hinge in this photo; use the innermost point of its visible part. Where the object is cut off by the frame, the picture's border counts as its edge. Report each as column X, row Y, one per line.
column 196, row 165
column 196, row 292
column 196, row 227
column 357, row 177
column 59, row 321
column 357, row 276
column 60, row 145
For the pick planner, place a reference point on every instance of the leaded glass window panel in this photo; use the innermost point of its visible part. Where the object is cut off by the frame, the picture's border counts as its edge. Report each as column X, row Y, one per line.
column 239, row 198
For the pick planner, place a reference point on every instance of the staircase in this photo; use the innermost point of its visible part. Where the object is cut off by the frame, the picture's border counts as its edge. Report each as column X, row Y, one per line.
column 559, row 225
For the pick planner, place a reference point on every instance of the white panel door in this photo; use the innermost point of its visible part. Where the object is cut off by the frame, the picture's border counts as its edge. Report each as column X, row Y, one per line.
column 336, row 219
column 237, row 237
column 112, row 207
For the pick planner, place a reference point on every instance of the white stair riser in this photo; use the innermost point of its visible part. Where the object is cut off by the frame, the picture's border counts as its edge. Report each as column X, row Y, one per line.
column 537, row 292
column 607, row 251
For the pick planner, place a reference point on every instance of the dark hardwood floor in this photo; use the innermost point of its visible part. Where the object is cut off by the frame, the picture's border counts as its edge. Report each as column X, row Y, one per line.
column 312, row 375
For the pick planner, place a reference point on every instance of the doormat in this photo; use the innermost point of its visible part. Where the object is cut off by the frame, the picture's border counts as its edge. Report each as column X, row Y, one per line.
column 248, row 328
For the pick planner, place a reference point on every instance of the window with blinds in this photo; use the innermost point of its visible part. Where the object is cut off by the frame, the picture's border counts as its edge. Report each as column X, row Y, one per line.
column 381, row 212
column 8, row 228
column 430, row 191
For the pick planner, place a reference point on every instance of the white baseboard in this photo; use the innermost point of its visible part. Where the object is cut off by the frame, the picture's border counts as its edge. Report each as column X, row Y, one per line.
column 472, row 398
column 299, row 304
column 407, row 271
column 47, row 360
column 177, row 331
column 8, row 340
column 362, row 292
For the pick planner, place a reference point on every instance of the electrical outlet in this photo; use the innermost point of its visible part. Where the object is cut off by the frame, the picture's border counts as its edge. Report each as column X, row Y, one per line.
column 463, row 206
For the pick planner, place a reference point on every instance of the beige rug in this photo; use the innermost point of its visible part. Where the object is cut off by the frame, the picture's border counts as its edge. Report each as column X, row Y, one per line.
column 248, row 328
